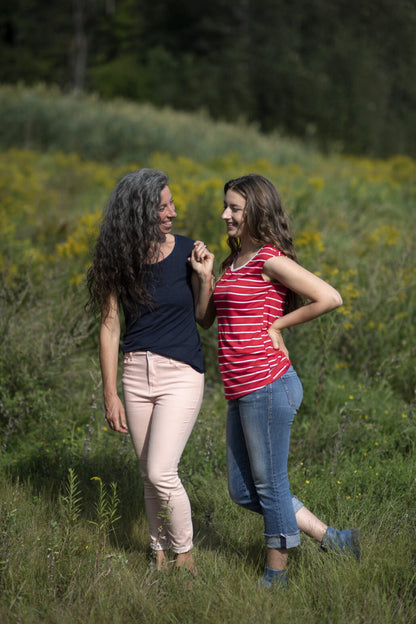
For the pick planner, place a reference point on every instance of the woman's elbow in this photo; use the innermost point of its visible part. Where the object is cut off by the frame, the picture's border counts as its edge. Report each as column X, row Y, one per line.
column 336, row 300
column 205, row 322
column 332, row 301
column 207, row 319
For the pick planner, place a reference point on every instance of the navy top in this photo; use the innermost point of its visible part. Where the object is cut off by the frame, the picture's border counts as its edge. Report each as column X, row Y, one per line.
column 168, row 329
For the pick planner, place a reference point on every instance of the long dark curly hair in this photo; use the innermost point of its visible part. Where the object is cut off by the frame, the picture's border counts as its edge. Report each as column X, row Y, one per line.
column 128, row 240
column 265, row 221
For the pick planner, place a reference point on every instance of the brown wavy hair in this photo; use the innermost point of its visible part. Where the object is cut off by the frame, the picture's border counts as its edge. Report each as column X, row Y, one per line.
column 265, row 221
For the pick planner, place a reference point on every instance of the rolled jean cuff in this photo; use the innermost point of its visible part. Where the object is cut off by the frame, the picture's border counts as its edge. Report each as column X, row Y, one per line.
column 282, row 541
column 297, row 504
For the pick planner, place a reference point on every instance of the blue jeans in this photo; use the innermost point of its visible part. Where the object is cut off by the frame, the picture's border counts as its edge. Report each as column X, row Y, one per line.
column 258, row 437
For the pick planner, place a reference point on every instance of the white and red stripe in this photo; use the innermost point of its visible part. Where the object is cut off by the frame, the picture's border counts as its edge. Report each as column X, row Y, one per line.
column 246, row 307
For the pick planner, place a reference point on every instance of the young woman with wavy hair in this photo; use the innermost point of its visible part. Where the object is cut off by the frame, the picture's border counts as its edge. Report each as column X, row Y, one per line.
column 261, row 292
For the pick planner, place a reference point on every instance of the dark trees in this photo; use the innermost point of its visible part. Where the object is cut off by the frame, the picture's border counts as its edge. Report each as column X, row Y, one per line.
column 340, row 72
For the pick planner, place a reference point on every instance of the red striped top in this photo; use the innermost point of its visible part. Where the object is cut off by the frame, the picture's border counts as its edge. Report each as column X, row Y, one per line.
column 246, row 307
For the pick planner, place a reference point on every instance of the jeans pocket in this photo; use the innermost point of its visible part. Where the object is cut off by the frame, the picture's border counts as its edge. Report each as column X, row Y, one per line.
column 293, row 388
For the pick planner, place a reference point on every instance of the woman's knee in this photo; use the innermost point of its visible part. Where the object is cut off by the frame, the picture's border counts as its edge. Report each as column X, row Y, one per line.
column 162, row 480
column 234, row 495
column 238, row 495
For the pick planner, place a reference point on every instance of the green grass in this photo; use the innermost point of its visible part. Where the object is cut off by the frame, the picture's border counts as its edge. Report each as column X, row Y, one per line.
column 73, row 534
column 56, row 570
column 42, row 118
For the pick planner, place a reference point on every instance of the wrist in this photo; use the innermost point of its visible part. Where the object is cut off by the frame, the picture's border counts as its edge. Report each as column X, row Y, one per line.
column 206, row 278
column 109, row 394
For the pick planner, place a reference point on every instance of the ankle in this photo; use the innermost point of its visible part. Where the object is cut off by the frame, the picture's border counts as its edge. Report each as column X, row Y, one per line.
column 186, row 561
column 161, row 561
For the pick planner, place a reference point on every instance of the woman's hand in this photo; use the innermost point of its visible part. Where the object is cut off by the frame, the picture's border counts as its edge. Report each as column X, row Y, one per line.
column 202, row 260
column 277, row 340
column 203, row 282
column 115, row 414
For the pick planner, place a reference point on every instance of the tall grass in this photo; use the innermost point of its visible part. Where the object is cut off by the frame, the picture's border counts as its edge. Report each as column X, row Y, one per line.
column 73, row 534
column 42, row 118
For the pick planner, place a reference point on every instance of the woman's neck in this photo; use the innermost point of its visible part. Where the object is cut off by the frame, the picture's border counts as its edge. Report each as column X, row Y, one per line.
column 247, row 250
column 165, row 248
column 248, row 246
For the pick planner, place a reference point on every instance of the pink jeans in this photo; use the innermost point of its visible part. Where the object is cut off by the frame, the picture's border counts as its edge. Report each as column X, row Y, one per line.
column 162, row 399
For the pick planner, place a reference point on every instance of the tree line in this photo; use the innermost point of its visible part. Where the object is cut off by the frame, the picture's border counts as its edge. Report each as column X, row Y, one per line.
column 341, row 73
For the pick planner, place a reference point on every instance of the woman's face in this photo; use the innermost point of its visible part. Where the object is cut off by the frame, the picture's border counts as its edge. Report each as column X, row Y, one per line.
column 166, row 209
column 233, row 213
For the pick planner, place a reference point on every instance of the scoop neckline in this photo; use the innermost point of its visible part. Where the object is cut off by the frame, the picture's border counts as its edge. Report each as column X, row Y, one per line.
column 233, row 269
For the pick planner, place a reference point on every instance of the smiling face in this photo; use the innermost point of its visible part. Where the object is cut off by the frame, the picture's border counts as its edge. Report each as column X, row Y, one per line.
column 166, row 210
column 233, row 214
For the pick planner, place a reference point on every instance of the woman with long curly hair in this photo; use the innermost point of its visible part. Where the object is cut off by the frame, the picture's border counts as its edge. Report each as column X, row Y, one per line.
column 161, row 282
column 260, row 293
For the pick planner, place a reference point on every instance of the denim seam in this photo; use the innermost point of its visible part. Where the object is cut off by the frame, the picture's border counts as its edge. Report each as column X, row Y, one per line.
column 271, row 456
column 285, row 541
